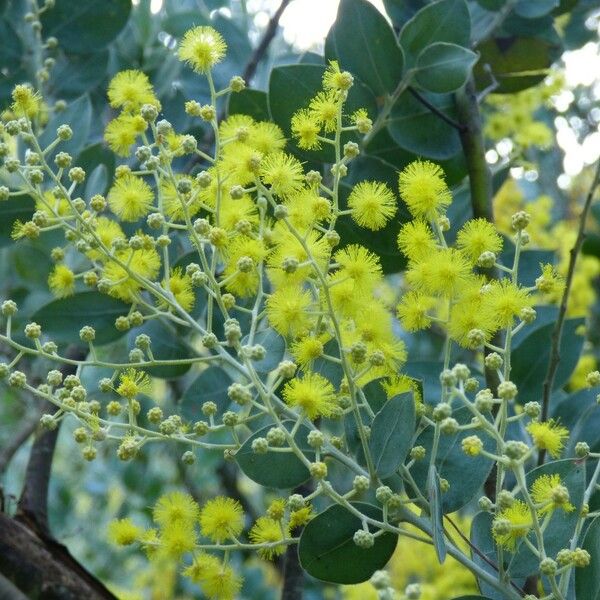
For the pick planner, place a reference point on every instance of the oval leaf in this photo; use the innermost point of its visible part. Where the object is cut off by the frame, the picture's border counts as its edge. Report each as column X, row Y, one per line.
column 391, row 434
column 88, row 26
column 62, row 319
column 443, row 67
column 210, row 386
column 363, row 43
column 328, row 552
column 434, row 495
column 586, row 580
column 443, row 21
column 279, row 470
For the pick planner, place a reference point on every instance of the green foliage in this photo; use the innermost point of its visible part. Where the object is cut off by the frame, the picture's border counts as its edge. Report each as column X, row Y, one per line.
column 327, row 550
column 363, row 42
column 586, row 585
column 63, row 318
column 391, row 434
column 281, row 470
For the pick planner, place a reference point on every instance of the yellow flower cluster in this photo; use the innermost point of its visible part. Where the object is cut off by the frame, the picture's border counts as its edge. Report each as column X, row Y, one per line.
column 444, row 286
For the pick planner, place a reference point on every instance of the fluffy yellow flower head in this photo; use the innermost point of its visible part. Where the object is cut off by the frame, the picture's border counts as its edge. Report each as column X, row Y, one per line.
column 306, row 129
column 180, row 285
column 221, row 518
column 336, row 79
column 548, row 435
column 282, row 172
column 177, row 539
column 202, row 48
column 324, row 108
column 416, row 240
column 120, row 133
column 123, row 532
column 307, row 349
column 549, row 492
column 130, row 90
column 373, row 204
column 62, row 281
column 360, row 265
column 504, row 301
column 312, row 393
column 218, row 581
column 423, row 187
column 130, row 198
column 133, row 383
column 518, row 524
column 477, row 236
column 145, row 263
column 267, row 531
column 286, row 309
column 175, row 507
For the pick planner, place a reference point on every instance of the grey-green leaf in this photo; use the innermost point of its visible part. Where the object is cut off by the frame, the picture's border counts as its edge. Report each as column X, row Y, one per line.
column 328, row 552
column 281, row 470
column 443, row 21
column 391, row 434
column 586, row 580
column 62, row 319
column 444, row 67
column 364, row 43
column 434, row 495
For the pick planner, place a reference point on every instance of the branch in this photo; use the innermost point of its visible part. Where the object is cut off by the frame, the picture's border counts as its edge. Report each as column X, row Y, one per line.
column 42, row 568
column 558, row 327
column 293, row 574
column 32, row 508
column 17, row 441
column 436, row 111
column 265, row 42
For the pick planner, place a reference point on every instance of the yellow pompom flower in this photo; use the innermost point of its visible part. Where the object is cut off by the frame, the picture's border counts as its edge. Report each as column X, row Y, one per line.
column 236, row 128
column 548, row 435
column 306, row 207
column 217, row 580
column 180, row 285
column 177, row 539
column 175, row 507
column 312, row 393
column 478, row 236
column 202, row 48
column 107, row 231
column 550, row 493
column 132, row 383
column 300, row 517
column 62, row 281
column 244, row 282
column 360, row 265
column 144, row 263
column 130, row 90
column 221, row 518
column 282, row 172
column 324, row 108
column 416, row 240
column 130, row 198
column 306, row 349
column 175, row 205
column 445, row 272
column 423, row 187
column 124, row 532
column 516, row 523
column 373, row 204
column 414, row 311
column 121, row 133
column 26, row 101
column 550, row 282
column 267, row 531
column 336, row 79
column 266, row 138
column 287, row 310
column 306, row 129
column 504, row 301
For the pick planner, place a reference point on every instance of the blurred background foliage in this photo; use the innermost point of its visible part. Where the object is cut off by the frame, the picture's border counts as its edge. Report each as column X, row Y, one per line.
column 537, row 70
